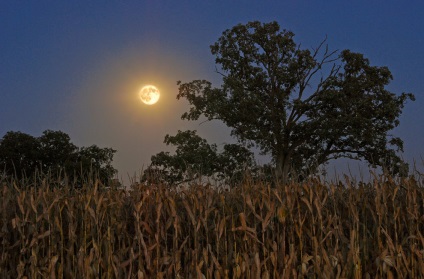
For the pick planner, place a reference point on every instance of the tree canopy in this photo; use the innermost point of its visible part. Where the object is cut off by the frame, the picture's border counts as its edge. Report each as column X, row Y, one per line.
column 303, row 107
column 195, row 159
column 53, row 153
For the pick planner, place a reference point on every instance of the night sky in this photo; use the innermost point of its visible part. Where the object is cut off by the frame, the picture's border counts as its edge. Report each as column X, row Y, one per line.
column 77, row 66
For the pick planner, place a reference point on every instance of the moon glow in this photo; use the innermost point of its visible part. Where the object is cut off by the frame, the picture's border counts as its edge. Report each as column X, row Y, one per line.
column 149, row 94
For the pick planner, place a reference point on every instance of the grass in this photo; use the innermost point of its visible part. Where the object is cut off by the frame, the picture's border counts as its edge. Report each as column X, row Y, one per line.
column 307, row 230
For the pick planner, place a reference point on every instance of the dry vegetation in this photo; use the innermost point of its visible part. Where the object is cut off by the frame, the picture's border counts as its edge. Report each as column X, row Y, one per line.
column 309, row 230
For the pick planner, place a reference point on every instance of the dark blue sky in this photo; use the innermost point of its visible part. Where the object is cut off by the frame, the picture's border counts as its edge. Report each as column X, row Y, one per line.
column 77, row 66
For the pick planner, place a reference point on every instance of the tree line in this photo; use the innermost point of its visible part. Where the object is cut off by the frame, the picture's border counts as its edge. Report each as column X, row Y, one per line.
column 23, row 156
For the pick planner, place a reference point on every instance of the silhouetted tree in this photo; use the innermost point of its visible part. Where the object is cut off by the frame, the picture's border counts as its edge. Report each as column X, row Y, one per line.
column 94, row 162
column 195, row 159
column 303, row 107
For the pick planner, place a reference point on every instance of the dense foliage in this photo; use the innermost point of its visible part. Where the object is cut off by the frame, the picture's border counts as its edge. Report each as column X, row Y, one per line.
column 24, row 156
column 303, row 107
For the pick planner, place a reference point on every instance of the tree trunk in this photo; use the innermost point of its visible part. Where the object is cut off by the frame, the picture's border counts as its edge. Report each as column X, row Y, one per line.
column 283, row 169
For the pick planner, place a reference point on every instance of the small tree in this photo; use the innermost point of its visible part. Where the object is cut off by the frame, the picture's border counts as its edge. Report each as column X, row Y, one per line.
column 94, row 162
column 303, row 107
column 195, row 159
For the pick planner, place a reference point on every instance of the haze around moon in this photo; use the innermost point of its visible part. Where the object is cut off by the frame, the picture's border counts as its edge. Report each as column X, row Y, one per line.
column 149, row 94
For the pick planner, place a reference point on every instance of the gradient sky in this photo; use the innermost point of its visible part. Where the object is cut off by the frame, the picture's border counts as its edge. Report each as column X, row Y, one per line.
column 77, row 66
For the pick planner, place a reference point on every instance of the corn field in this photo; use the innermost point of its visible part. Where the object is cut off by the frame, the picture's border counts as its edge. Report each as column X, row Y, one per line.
column 306, row 230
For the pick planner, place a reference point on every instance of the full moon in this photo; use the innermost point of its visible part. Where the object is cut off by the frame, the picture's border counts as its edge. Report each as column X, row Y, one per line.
column 149, row 94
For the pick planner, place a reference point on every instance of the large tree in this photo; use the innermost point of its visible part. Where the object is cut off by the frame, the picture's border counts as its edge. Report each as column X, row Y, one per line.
column 304, row 107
